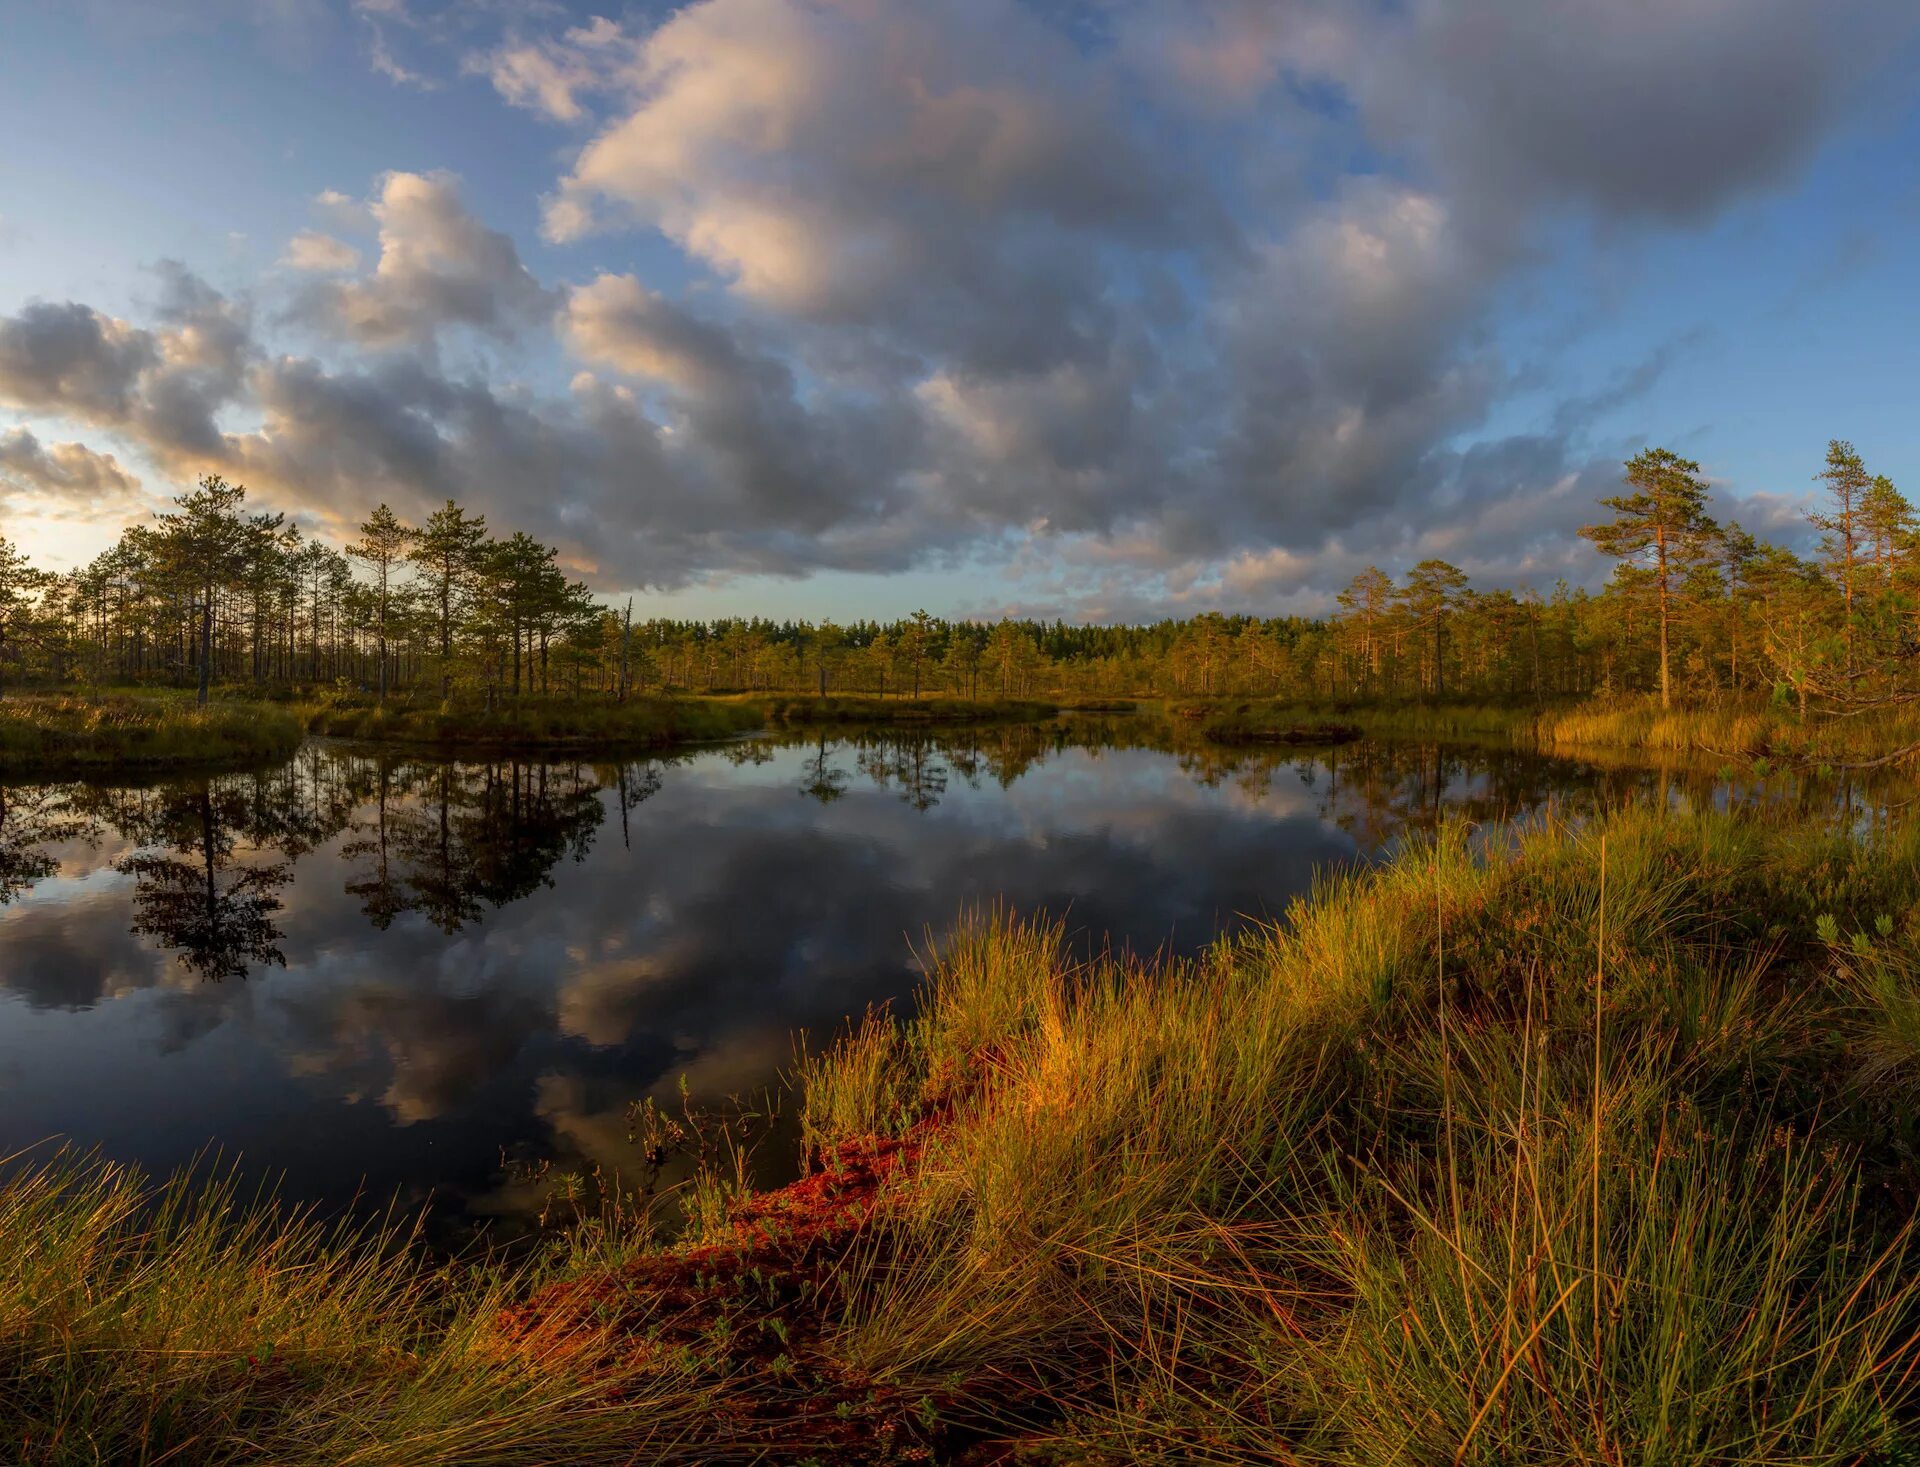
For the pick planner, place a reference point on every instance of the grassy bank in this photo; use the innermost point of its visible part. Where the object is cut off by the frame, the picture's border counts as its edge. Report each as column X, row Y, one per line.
column 535, row 724
column 853, row 709
column 1468, row 1160
column 1747, row 730
column 1256, row 721
column 128, row 731
column 1597, row 1145
column 1736, row 730
column 1263, row 723
column 193, row 1323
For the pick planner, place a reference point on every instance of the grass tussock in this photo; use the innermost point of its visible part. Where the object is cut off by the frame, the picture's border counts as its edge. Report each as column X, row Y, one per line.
column 129, row 731
column 1734, row 729
column 853, row 709
column 535, row 723
column 189, row 1323
column 1582, row 1144
column 1467, row 1160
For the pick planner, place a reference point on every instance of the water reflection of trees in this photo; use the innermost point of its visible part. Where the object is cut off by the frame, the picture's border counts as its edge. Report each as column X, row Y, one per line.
column 213, row 854
column 33, row 819
column 193, row 896
column 449, row 842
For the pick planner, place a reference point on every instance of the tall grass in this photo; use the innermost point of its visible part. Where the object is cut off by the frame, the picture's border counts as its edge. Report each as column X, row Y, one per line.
column 190, row 1323
column 1451, row 1165
column 129, row 731
column 535, row 723
column 1742, row 729
column 1732, row 729
column 1586, row 1143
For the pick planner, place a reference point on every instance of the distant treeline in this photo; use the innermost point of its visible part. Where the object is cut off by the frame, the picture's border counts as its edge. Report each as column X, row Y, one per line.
column 211, row 592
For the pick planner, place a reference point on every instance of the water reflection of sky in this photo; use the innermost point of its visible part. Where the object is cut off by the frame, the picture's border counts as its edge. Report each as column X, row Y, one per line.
column 443, row 963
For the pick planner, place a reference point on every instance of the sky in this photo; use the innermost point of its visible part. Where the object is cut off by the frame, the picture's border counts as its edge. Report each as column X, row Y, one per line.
column 1096, row 309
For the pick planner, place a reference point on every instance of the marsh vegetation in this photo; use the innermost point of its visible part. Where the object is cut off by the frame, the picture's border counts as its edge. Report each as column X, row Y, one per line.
column 1551, row 1145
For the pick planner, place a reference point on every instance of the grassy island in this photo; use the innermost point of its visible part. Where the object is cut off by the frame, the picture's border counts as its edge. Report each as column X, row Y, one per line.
column 869, row 711
column 534, row 724
column 1589, row 1142
column 66, row 733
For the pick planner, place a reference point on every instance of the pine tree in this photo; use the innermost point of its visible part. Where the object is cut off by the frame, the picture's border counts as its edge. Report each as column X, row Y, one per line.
column 1845, row 476
column 447, row 553
column 1665, row 518
column 203, row 545
column 382, row 545
column 1434, row 588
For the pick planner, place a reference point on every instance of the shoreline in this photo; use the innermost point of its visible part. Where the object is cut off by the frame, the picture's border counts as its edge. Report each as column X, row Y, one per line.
column 1093, row 1210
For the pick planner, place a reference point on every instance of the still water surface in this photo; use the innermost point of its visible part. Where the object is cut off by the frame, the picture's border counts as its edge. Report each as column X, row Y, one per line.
column 386, row 976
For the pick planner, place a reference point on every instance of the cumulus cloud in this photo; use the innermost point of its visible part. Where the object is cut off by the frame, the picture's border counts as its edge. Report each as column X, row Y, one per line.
column 439, row 267
column 1633, row 110
column 72, row 359
column 1179, row 302
column 312, row 250
column 70, row 474
column 849, row 163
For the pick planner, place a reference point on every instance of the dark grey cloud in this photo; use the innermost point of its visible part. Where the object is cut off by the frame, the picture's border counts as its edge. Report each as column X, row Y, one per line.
column 71, row 359
column 1666, row 112
column 70, row 474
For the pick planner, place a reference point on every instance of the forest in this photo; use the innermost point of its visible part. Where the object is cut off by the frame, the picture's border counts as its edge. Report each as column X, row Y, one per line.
column 214, row 593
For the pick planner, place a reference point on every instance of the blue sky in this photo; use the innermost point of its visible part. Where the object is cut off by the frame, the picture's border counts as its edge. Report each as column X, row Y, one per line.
column 844, row 307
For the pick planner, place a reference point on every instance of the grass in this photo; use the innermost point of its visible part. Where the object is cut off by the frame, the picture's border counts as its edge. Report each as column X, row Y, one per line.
column 852, row 709
column 1464, row 1161
column 191, row 1323
column 1743, row 729
column 128, row 731
column 536, row 723
column 1255, row 720
column 1587, row 1143
column 1735, row 729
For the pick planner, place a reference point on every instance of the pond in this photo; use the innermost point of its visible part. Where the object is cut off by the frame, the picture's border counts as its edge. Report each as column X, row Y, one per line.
column 370, row 976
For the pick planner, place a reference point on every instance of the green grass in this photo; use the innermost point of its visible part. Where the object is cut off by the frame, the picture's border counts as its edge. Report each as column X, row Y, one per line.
column 536, row 723
column 1743, row 729
column 1748, row 729
column 133, row 731
column 1462, row 1161
column 1257, row 720
column 854, row 709
column 1592, row 1143
column 190, row 1322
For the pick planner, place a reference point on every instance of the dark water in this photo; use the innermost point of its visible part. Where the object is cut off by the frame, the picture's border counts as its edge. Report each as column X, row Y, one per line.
column 379, row 976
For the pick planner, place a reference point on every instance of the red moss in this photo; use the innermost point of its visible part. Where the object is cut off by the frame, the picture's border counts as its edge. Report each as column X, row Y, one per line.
column 742, row 1322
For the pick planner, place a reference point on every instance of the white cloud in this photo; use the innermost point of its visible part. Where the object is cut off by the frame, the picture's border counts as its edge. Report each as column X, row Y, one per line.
column 439, row 267
column 549, row 77
column 321, row 253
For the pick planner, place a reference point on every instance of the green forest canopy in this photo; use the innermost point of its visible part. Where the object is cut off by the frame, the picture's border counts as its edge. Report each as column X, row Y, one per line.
column 213, row 592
